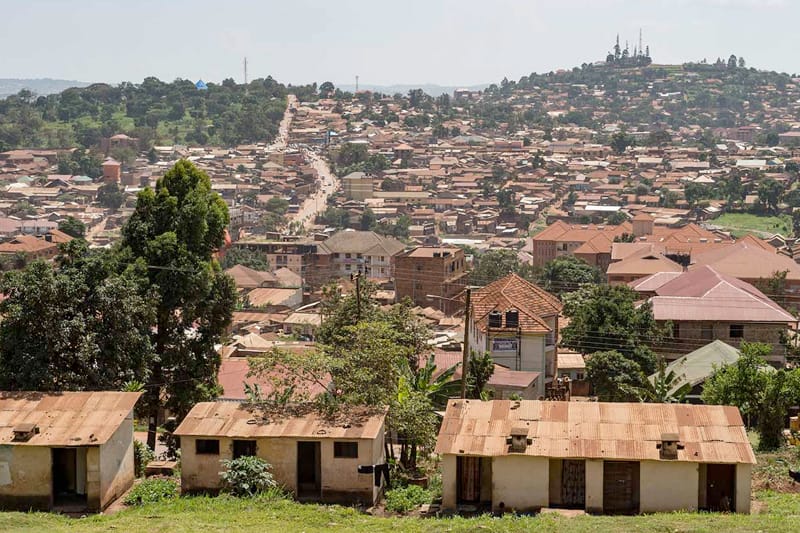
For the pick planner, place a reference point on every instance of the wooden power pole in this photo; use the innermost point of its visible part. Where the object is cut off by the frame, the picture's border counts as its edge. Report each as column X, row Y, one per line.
column 465, row 356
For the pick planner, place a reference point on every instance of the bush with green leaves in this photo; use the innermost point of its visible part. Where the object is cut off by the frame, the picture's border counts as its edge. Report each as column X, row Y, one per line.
column 247, row 476
column 405, row 499
column 153, row 490
column 142, row 454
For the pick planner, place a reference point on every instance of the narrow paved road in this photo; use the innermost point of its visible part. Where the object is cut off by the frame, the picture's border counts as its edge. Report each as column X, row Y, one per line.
column 317, row 202
column 327, row 181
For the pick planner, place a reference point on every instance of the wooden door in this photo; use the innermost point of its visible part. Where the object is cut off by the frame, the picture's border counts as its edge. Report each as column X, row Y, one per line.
column 308, row 470
column 621, row 487
column 573, row 483
column 721, row 487
column 468, row 470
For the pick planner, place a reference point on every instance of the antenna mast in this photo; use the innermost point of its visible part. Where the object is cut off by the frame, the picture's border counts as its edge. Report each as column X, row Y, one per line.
column 641, row 50
column 245, row 70
column 356, row 82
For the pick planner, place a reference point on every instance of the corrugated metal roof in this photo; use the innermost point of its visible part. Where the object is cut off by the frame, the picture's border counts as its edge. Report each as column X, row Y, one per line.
column 240, row 420
column 595, row 430
column 64, row 418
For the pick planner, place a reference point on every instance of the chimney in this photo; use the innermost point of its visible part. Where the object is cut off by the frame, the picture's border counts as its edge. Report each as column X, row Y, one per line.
column 25, row 431
column 669, row 446
column 519, row 439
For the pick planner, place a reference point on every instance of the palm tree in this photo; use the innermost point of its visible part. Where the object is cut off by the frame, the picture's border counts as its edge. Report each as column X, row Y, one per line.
column 419, row 394
column 664, row 386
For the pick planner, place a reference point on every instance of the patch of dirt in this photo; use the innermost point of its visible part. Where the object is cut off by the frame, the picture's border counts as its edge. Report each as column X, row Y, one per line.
column 772, row 471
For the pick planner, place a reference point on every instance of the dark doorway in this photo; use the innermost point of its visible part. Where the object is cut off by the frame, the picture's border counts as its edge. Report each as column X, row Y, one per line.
column 620, row 487
column 573, row 484
column 69, row 477
column 721, row 487
column 244, row 448
column 308, row 470
column 468, row 470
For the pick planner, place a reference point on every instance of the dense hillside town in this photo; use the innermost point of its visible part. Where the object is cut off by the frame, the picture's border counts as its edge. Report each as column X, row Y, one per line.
column 570, row 293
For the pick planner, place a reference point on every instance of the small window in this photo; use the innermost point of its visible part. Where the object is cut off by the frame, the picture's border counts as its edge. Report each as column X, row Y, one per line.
column 336, row 256
column 707, row 332
column 207, row 447
column 676, row 330
column 347, row 256
column 383, row 258
column 345, row 450
column 737, row 331
column 244, row 448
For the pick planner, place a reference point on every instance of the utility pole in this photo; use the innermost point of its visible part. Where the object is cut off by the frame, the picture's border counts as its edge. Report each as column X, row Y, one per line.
column 357, row 278
column 465, row 356
column 356, row 82
column 245, row 70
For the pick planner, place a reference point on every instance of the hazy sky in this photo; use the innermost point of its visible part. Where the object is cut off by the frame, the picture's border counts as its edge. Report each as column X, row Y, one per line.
column 449, row 42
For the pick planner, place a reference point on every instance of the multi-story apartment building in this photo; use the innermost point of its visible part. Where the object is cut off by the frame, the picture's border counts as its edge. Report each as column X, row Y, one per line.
column 431, row 276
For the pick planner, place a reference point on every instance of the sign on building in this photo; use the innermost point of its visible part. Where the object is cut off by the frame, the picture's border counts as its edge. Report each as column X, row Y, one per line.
column 504, row 345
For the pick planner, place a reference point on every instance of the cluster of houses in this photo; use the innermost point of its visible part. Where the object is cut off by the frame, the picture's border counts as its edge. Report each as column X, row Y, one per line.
column 73, row 452
column 486, row 188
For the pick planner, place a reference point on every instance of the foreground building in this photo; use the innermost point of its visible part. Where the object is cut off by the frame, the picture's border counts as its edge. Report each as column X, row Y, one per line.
column 69, row 451
column 315, row 458
column 602, row 457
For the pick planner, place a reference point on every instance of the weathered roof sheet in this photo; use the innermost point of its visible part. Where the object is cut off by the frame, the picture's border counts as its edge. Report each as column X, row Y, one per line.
column 64, row 418
column 595, row 430
column 237, row 420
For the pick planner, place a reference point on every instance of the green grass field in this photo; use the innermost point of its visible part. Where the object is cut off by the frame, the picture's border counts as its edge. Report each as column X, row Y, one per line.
column 779, row 512
column 740, row 224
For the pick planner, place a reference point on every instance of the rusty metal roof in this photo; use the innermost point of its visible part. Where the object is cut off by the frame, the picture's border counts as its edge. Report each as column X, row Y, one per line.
column 240, row 420
column 64, row 418
column 595, row 430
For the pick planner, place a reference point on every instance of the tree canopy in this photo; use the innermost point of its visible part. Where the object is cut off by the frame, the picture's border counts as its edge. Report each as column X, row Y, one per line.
column 173, row 233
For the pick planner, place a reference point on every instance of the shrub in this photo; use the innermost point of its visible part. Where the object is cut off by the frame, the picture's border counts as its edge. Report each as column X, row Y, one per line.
column 247, row 476
column 152, row 490
column 142, row 454
column 405, row 499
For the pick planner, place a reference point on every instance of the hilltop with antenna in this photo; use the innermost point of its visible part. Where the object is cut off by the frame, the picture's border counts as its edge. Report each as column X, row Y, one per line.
column 623, row 57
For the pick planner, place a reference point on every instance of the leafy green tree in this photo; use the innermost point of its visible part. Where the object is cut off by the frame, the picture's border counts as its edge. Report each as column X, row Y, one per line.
column 769, row 194
column 780, row 394
column 492, row 265
column 326, row 89
column 693, row 192
column 568, row 273
column 77, row 327
column 742, row 383
column 617, row 218
column 368, row 219
column 614, row 377
column 246, row 257
column 481, row 369
column 73, row 227
column 620, row 142
column 605, row 317
column 277, row 205
column 110, row 196
column 174, row 232
column 772, row 138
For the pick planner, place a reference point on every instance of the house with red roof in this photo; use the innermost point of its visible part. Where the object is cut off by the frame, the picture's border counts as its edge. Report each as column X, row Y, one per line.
column 516, row 322
column 705, row 305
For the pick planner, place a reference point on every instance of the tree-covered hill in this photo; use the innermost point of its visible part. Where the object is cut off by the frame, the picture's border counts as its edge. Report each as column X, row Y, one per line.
column 722, row 94
column 153, row 111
